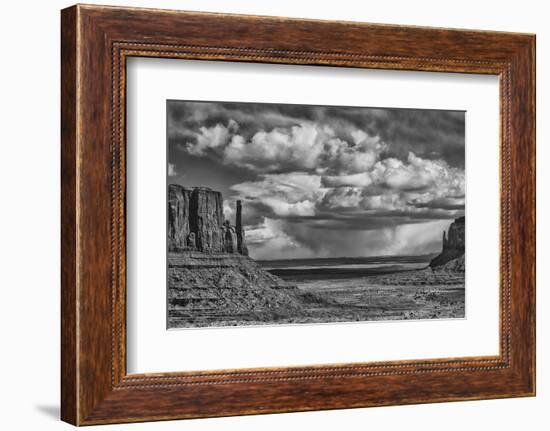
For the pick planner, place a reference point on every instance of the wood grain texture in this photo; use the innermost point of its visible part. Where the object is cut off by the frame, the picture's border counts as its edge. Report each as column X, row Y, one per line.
column 96, row 41
column 69, row 397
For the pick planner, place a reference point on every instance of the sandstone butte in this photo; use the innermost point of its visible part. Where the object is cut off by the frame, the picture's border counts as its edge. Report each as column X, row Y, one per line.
column 451, row 257
column 196, row 222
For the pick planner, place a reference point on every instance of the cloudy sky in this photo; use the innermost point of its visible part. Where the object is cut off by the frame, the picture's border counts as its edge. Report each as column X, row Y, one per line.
column 324, row 181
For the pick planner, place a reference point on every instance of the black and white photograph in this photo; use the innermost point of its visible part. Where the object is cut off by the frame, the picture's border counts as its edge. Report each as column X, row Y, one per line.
column 306, row 214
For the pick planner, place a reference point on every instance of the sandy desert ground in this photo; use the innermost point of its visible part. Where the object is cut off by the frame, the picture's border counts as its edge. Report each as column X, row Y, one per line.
column 420, row 294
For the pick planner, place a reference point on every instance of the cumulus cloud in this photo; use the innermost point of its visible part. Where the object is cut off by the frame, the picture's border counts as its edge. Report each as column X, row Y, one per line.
column 419, row 174
column 308, row 146
column 412, row 189
column 269, row 240
column 172, row 170
column 293, row 194
column 395, row 185
column 228, row 211
column 294, row 148
column 211, row 138
column 355, row 157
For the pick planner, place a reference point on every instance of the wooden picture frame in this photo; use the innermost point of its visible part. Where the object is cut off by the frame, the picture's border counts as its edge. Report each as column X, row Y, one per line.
column 95, row 43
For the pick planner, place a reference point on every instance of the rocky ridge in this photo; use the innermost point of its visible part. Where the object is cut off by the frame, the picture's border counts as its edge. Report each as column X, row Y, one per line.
column 451, row 257
column 225, row 289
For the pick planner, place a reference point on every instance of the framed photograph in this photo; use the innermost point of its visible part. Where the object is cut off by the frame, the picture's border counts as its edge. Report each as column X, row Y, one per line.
column 265, row 215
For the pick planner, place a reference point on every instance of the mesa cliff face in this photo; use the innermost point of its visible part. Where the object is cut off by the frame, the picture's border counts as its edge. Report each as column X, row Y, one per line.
column 454, row 243
column 178, row 217
column 196, row 222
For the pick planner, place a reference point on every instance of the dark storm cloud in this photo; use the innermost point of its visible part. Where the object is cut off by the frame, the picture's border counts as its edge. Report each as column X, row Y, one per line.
column 313, row 178
column 187, row 117
column 428, row 133
column 357, row 220
column 432, row 134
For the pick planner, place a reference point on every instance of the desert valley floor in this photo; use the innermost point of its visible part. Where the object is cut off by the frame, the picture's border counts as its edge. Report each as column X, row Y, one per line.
column 228, row 290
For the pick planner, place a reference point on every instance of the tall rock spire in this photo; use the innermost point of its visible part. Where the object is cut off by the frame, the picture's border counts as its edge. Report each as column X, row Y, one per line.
column 238, row 218
column 241, row 242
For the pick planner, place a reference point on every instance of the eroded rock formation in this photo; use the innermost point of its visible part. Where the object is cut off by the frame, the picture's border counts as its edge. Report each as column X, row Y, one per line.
column 454, row 242
column 206, row 219
column 196, row 222
column 230, row 238
column 455, row 265
column 241, row 240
